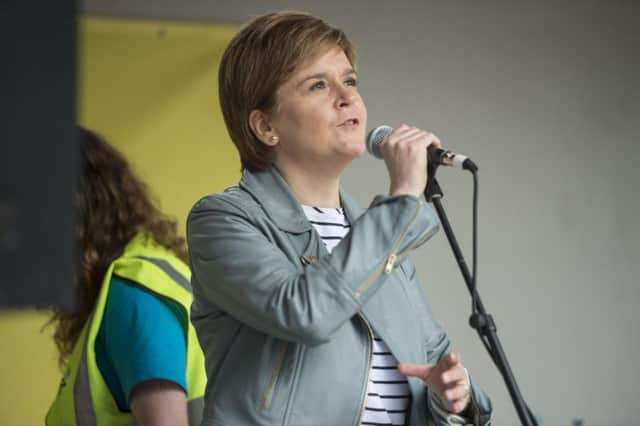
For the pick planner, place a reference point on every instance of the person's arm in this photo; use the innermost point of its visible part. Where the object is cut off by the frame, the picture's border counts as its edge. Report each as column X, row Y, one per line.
column 453, row 397
column 159, row 403
column 237, row 266
column 146, row 347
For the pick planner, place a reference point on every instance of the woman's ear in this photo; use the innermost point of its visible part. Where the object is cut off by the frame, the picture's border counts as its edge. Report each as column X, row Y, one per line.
column 259, row 123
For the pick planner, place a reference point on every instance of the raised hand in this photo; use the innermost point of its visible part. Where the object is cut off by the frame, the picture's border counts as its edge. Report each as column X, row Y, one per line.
column 448, row 379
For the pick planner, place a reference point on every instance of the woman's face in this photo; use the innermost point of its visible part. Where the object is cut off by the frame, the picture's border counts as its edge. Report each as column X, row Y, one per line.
column 320, row 118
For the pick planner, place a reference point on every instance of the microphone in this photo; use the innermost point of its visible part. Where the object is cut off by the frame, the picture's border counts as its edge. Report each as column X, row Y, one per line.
column 437, row 156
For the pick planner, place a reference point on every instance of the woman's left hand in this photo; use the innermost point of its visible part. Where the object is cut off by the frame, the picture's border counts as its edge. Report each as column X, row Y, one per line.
column 448, row 379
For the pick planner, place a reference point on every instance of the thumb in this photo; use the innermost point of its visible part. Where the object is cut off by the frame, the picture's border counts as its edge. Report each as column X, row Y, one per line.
column 452, row 358
column 415, row 370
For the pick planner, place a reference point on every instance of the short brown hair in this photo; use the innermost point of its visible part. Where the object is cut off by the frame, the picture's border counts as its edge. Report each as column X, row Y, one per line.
column 257, row 61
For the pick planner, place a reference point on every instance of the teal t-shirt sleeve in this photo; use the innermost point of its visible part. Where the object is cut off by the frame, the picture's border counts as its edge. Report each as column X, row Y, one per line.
column 141, row 337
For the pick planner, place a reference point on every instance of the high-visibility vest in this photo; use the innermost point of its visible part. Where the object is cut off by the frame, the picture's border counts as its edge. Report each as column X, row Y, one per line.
column 84, row 399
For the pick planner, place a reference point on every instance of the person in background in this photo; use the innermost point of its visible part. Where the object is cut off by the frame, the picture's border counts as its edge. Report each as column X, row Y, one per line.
column 128, row 349
column 308, row 307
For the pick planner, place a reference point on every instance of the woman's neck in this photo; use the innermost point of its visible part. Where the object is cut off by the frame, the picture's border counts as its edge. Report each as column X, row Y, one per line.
column 312, row 188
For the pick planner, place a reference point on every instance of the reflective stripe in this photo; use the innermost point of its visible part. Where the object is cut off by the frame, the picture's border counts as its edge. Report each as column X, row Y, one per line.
column 169, row 270
column 85, row 414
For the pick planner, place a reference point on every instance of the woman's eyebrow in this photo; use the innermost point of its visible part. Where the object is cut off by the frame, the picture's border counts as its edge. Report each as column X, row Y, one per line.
column 324, row 75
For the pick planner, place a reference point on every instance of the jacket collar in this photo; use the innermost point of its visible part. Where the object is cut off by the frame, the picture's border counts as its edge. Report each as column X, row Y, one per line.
column 273, row 194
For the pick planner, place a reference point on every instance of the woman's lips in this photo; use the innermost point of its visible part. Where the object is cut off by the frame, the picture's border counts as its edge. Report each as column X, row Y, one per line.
column 352, row 122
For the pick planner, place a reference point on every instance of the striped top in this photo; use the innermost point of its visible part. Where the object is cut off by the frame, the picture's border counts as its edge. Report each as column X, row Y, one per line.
column 388, row 396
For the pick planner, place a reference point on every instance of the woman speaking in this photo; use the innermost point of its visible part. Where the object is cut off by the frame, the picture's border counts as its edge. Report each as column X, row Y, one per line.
column 308, row 307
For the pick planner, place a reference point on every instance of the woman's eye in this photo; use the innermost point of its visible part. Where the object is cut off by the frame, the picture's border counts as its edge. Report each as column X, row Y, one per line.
column 318, row 85
column 351, row 82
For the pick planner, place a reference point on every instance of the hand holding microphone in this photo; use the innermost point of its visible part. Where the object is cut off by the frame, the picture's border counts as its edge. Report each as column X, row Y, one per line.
column 400, row 150
column 403, row 150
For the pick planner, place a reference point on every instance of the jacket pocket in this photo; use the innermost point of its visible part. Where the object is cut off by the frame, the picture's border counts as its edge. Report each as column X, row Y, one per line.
column 275, row 376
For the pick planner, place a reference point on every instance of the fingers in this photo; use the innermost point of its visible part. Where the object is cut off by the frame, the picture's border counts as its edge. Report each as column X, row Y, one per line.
column 434, row 141
column 448, row 379
column 415, row 370
column 452, row 359
column 405, row 155
column 404, row 141
column 460, row 405
column 448, row 371
column 457, row 397
column 454, row 393
column 411, row 137
column 453, row 375
column 455, row 382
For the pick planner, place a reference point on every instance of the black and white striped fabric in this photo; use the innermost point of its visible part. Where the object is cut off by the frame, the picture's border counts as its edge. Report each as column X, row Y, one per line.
column 388, row 395
column 331, row 224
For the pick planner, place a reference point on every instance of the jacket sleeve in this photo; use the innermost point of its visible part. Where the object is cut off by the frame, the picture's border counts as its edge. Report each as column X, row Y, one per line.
column 238, row 269
column 438, row 345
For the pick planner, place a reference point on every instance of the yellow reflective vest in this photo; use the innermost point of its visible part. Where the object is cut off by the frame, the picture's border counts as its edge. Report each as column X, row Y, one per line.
column 84, row 398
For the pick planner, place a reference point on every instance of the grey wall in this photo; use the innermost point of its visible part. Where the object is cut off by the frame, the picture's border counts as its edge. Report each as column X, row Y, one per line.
column 544, row 96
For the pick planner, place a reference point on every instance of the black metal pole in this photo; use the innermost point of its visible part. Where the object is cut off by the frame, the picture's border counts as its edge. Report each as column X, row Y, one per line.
column 480, row 319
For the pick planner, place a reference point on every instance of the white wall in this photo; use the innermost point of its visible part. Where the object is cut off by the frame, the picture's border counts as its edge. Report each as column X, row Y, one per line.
column 544, row 96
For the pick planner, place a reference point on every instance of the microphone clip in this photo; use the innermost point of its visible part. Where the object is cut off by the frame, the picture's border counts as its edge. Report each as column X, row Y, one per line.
column 432, row 189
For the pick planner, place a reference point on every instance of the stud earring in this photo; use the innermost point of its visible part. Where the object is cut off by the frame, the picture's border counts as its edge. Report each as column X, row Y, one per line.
column 273, row 139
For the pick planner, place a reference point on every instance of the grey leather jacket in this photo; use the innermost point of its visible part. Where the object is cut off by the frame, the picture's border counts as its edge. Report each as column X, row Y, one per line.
column 286, row 328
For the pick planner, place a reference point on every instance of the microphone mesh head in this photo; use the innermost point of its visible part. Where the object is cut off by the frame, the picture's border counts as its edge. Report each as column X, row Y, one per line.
column 375, row 139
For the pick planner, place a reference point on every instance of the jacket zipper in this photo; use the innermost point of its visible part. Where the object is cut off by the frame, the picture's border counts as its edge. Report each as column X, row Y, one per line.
column 366, row 386
column 266, row 403
column 387, row 267
column 415, row 244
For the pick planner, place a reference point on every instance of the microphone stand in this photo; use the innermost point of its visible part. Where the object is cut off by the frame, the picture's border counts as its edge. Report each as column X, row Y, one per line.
column 480, row 320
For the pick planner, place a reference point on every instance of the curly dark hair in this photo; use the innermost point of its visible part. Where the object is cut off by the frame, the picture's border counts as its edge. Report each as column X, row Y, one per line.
column 113, row 205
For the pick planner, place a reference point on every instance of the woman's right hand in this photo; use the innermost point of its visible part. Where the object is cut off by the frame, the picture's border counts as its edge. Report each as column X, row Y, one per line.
column 405, row 154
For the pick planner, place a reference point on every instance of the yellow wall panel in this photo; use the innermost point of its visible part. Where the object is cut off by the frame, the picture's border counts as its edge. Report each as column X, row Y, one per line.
column 29, row 372
column 149, row 87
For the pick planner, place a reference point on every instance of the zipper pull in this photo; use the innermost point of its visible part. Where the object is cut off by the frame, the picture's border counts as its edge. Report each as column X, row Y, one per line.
column 309, row 260
column 388, row 267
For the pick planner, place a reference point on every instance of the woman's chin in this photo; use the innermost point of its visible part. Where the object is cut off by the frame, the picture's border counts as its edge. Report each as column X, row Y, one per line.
column 353, row 150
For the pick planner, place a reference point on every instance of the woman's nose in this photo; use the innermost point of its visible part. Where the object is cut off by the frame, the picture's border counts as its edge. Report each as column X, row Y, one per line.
column 345, row 97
